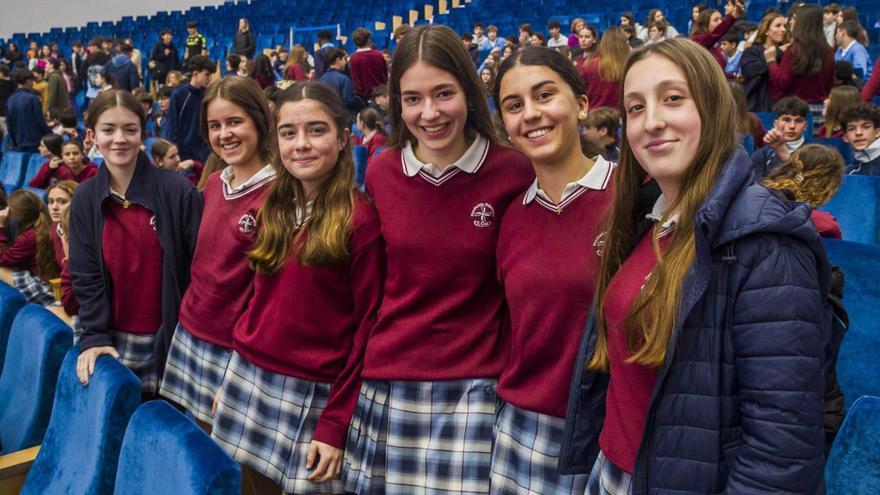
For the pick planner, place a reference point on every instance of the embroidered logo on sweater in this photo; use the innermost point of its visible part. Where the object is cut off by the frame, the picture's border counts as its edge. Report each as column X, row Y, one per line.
column 247, row 223
column 153, row 222
column 483, row 214
column 599, row 243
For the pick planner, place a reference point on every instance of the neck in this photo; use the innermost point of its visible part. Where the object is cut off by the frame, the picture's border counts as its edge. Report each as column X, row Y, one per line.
column 553, row 177
column 443, row 158
column 669, row 188
column 76, row 167
column 243, row 172
column 120, row 176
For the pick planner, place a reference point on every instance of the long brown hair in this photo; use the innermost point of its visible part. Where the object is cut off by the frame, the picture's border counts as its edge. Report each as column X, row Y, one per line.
column 440, row 47
column 113, row 98
column 808, row 43
column 246, row 94
column 701, row 25
column 27, row 211
column 840, row 99
column 212, row 164
column 812, row 174
column 613, row 52
column 327, row 242
column 655, row 311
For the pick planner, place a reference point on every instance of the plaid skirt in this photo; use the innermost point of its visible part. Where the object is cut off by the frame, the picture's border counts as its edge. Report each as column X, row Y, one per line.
column 526, row 455
column 33, row 288
column 608, row 479
column 265, row 421
column 426, row 437
column 136, row 353
column 193, row 373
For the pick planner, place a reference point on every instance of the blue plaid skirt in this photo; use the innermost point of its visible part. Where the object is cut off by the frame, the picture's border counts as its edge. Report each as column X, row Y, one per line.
column 608, row 479
column 526, row 455
column 136, row 353
column 33, row 288
column 265, row 421
column 421, row 437
column 193, row 373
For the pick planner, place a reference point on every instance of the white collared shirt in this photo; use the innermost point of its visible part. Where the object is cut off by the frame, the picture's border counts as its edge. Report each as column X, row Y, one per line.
column 868, row 154
column 596, row 178
column 265, row 174
column 844, row 51
column 657, row 214
column 469, row 162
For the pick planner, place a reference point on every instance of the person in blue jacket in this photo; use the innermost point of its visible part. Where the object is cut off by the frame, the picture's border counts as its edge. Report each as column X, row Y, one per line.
column 122, row 69
column 181, row 125
column 702, row 367
column 24, row 114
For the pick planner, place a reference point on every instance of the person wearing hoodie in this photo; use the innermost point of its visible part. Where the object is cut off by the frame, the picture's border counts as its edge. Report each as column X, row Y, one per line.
column 243, row 45
column 57, row 97
column 181, row 125
column 703, row 364
column 164, row 57
column 122, row 70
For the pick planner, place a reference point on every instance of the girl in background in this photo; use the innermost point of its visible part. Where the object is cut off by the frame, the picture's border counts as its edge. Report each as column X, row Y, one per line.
column 603, row 72
column 840, row 99
column 73, row 166
column 27, row 260
column 166, row 155
column 373, row 130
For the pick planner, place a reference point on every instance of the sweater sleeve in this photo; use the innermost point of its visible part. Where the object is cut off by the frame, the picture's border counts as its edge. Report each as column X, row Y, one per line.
column 753, row 64
column 782, row 72
column 872, row 88
column 68, row 299
column 42, row 178
column 778, row 339
column 21, row 254
column 367, row 279
column 709, row 39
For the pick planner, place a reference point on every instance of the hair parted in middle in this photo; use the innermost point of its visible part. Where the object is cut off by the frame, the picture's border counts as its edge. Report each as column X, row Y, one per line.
column 246, row 94
column 655, row 311
column 27, row 211
column 442, row 48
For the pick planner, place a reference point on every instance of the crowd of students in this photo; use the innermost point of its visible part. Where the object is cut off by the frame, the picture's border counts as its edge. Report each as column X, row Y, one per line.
column 562, row 274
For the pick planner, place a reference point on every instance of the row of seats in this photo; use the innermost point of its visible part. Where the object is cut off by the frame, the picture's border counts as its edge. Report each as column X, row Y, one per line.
column 57, row 436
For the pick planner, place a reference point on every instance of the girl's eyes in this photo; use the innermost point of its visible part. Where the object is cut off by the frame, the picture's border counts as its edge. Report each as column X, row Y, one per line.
column 410, row 100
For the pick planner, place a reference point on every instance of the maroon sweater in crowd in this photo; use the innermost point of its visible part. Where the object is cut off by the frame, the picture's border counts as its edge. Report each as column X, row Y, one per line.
column 631, row 385
column 441, row 314
column 826, row 224
column 21, row 255
column 46, row 176
column 377, row 141
column 312, row 322
column 368, row 70
column 602, row 93
column 872, row 87
column 710, row 40
column 68, row 298
column 222, row 280
column 812, row 88
column 133, row 257
column 547, row 262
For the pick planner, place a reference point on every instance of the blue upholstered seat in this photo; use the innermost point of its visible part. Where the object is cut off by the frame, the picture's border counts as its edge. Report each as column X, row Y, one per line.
column 37, row 345
column 80, row 451
column 11, row 302
column 853, row 466
column 856, row 206
column 164, row 452
column 360, row 163
column 12, row 168
column 33, row 166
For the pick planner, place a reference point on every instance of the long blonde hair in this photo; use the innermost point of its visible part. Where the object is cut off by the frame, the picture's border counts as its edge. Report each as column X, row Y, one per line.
column 329, row 226
column 812, row 174
column 654, row 313
column 613, row 52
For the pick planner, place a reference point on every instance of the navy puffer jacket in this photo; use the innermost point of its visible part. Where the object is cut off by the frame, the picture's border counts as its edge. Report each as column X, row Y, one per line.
column 738, row 404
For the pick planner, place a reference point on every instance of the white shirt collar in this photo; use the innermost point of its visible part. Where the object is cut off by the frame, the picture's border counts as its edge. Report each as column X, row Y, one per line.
column 469, row 162
column 596, row 178
column 364, row 49
column 657, row 213
column 868, row 154
column 794, row 145
column 844, row 51
column 266, row 173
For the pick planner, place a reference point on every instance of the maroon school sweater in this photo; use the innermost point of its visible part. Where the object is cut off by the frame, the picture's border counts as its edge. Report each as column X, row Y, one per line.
column 602, row 93
column 222, row 280
column 46, row 176
column 441, row 314
column 312, row 322
column 68, row 298
column 368, row 70
column 710, row 40
column 21, row 255
column 630, row 387
column 548, row 269
column 813, row 88
column 133, row 258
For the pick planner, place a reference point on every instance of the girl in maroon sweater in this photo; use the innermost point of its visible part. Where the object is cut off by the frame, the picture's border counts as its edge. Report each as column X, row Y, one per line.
column 60, row 196
column 561, row 211
column 602, row 73
column 27, row 259
column 72, row 165
column 436, row 351
column 291, row 386
column 240, row 129
column 711, row 27
column 373, row 129
column 167, row 156
column 806, row 69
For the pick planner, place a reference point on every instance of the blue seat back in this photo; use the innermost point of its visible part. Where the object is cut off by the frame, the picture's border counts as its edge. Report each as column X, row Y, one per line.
column 360, row 163
column 34, row 163
column 840, row 145
column 853, row 465
column 12, row 167
column 857, row 363
column 37, row 345
column 164, row 452
column 86, row 430
column 11, row 302
column 856, row 206
column 748, row 142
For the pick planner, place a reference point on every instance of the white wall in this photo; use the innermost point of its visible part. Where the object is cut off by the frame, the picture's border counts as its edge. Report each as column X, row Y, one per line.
column 37, row 16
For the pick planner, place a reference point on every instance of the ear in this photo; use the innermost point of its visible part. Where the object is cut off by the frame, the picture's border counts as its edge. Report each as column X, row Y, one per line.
column 876, row 132
column 603, row 131
column 90, row 135
column 583, row 104
column 344, row 137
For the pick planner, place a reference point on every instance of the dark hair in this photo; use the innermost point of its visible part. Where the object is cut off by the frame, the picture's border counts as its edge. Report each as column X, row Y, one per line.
column 440, row 47
column 527, row 28
column 160, row 149
column 4, row 70
column 809, row 46
column 852, row 28
column 701, row 25
column 831, row 8
column 55, row 63
column 380, row 90
column 53, row 143
column 246, row 94
column 370, row 117
column 234, row 61
column 333, row 55
column 844, row 72
column 192, row 24
column 113, row 98
column 630, row 17
column 199, row 63
column 731, row 36
column 604, row 118
column 262, row 66
column 555, row 61
column 38, row 70
column 164, row 92
column 862, row 111
column 478, row 24
column 27, row 211
column 21, row 76
column 467, row 37
column 554, row 24
column 361, row 37
column 324, row 35
column 791, row 105
column 164, row 32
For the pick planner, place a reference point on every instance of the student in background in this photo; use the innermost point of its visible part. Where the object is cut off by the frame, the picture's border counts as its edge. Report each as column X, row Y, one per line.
column 166, row 155
column 861, row 125
column 806, row 68
column 850, row 50
column 60, row 197
column 70, row 165
column 602, row 126
column 181, row 122
column 602, row 73
column 840, row 100
column 366, row 65
column 711, row 27
column 786, row 136
column 27, row 258
column 373, row 130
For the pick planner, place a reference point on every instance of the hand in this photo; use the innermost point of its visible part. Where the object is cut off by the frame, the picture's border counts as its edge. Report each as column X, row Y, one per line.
column 185, row 165
column 329, row 462
column 4, row 214
column 739, row 10
column 55, row 162
column 773, row 138
column 85, row 364
column 70, row 131
column 770, row 54
column 785, row 47
column 215, row 404
column 65, row 245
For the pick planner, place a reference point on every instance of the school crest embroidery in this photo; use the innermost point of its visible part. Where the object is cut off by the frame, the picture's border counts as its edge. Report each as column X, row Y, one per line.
column 247, row 223
column 153, row 222
column 483, row 213
column 599, row 243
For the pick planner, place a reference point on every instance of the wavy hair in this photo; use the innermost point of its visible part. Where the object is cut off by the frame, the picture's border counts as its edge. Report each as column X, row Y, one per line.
column 246, row 94
column 812, row 174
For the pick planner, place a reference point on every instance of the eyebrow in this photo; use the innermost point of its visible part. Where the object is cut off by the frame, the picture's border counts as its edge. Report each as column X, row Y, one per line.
column 662, row 85
column 308, row 124
column 435, row 88
column 535, row 87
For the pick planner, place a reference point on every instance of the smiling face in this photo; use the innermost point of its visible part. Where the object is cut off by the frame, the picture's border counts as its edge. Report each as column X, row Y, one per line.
column 58, row 203
column 776, row 32
column 540, row 113
column 117, row 134
column 171, row 159
column 434, row 109
column 232, row 134
column 663, row 125
column 861, row 134
column 309, row 142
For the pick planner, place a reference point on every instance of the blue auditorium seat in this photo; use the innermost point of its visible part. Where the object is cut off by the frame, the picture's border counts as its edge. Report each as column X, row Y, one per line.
column 857, row 365
column 12, row 169
column 80, row 451
column 37, row 345
column 747, row 142
column 856, row 206
column 840, row 145
column 360, row 163
column 11, row 302
column 853, row 466
column 165, row 452
column 33, row 166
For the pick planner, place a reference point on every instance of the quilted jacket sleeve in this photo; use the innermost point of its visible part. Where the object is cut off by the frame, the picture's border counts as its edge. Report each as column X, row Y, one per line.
column 778, row 336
